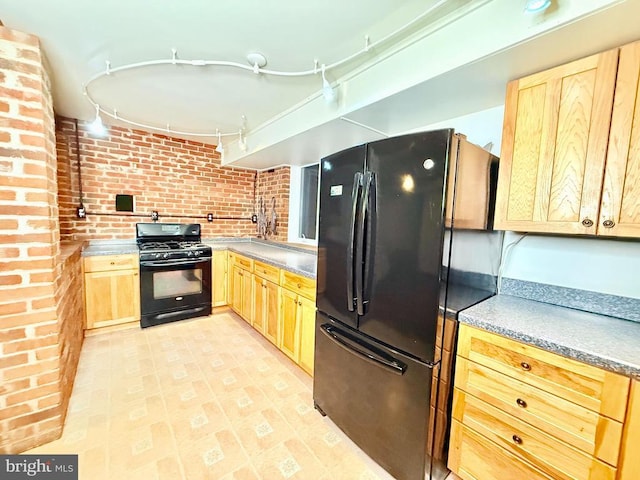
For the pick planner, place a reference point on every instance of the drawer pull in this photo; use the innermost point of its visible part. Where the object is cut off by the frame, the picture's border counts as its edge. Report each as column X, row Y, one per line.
column 521, row 403
column 299, row 285
column 517, row 440
column 112, row 263
column 525, row 366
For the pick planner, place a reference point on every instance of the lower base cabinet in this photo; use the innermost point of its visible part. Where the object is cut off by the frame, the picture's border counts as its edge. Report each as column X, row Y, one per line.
column 522, row 412
column 629, row 458
column 297, row 329
column 278, row 303
column 241, row 297
column 265, row 308
column 111, row 290
column 307, row 314
column 220, row 280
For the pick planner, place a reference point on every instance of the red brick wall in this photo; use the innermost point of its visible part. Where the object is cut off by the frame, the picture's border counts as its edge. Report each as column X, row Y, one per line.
column 274, row 185
column 70, row 327
column 30, row 411
column 172, row 176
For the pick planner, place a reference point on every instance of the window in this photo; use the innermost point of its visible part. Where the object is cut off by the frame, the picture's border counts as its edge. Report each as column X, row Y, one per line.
column 303, row 205
column 309, row 202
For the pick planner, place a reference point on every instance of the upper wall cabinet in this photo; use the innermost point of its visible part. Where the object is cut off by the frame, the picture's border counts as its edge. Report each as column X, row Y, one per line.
column 570, row 159
column 620, row 207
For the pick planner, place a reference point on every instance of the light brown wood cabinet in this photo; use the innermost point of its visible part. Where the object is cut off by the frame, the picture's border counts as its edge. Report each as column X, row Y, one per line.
column 265, row 301
column 297, row 319
column 307, row 318
column 570, row 159
column 219, row 278
column 112, row 290
column 240, row 285
column 540, row 415
column 629, row 458
column 278, row 303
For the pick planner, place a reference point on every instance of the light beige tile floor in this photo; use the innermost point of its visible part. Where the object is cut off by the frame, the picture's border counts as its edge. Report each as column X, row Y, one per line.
column 206, row 398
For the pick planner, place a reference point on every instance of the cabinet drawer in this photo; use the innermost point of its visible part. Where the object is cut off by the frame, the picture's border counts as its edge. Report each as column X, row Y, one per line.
column 550, row 455
column 241, row 261
column 474, row 457
column 268, row 272
column 104, row 263
column 596, row 389
column 299, row 284
column 578, row 426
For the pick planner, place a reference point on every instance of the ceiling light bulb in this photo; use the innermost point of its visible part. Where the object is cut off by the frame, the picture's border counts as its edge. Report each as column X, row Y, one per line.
column 96, row 127
column 533, row 6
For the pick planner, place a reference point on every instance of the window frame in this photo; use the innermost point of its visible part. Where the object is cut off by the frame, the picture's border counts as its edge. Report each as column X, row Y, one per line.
column 295, row 203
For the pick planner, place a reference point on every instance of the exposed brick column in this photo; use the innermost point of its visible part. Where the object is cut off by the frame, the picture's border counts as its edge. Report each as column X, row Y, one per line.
column 31, row 410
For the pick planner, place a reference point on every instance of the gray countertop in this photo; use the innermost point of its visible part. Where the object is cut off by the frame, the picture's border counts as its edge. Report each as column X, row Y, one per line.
column 109, row 247
column 294, row 259
column 606, row 342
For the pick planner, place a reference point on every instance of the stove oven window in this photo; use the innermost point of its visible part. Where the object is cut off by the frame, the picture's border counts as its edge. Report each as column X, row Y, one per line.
column 175, row 283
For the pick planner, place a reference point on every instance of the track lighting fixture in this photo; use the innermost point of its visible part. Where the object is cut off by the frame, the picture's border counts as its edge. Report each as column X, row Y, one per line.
column 328, row 92
column 96, row 127
column 219, row 146
column 534, row 6
column 255, row 63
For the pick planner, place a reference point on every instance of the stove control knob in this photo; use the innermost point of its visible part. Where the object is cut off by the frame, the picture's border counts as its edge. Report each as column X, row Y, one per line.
column 190, row 253
column 165, row 255
column 198, row 252
column 157, row 255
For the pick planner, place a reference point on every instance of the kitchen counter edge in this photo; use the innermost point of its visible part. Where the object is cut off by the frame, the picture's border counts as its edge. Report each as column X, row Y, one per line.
column 303, row 262
column 606, row 342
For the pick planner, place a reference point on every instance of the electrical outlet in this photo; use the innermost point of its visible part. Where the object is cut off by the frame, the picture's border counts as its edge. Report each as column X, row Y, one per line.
column 209, row 217
column 154, row 215
column 254, row 218
column 81, row 212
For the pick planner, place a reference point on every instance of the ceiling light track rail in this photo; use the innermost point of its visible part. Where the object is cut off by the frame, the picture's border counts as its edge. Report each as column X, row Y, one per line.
column 255, row 66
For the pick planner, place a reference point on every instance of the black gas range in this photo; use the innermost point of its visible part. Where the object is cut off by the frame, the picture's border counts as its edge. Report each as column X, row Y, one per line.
column 175, row 272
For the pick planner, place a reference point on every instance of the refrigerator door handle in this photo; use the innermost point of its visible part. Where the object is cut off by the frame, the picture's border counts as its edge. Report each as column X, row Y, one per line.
column 364, row 350
column 355, row 197
column 360, row 253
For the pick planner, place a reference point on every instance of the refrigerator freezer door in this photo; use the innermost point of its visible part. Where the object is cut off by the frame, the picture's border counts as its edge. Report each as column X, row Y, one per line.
column 404, row 251
column 379, row 398
column 340, row 192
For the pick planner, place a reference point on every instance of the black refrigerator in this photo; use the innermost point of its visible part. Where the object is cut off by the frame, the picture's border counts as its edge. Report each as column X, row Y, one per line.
column 405, row 242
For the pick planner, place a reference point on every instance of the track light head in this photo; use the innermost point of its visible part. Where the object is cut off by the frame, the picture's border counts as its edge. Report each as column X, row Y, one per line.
column 219, row 146
column 96, row 127
column 329, row 93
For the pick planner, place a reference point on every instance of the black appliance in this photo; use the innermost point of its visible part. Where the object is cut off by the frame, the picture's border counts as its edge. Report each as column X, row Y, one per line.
column 175, row 273
column 405, row 243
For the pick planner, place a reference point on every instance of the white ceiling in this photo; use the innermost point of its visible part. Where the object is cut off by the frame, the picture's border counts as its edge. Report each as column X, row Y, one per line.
column 286, row 120
column 78, row 37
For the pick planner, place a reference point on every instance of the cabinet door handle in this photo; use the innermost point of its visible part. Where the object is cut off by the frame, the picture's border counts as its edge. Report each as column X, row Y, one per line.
column 608, row 223
column 299, row 285
column 517, row 440
column 525, row 366
column 521, row 403
column 587, row 222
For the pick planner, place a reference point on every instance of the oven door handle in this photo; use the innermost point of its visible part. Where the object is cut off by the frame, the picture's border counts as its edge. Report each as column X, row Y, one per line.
column 195, row 261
